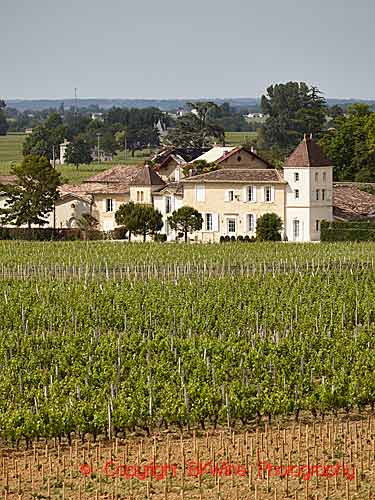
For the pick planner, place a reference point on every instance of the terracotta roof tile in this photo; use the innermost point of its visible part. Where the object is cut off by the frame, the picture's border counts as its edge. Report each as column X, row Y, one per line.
column 238, row 175
column 351, row 203
column 8, row 179
column 307, row 154
column 119, row 173
column 146, row 176
column 173, row 187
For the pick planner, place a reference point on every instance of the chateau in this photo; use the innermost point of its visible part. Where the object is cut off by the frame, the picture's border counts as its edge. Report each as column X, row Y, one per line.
column 238, row 186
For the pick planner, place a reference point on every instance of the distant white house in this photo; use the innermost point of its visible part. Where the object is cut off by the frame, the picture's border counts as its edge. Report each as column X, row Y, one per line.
column 94, row 154
column 255, row 115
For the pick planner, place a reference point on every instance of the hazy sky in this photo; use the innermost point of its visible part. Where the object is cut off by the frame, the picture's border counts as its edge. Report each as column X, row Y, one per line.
column 190, row 48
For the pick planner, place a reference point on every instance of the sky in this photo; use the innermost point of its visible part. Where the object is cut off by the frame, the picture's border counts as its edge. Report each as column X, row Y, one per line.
column 184, row 49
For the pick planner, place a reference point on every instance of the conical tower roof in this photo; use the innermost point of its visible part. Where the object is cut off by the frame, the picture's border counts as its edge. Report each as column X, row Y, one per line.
column 308, row 154
column 146, row 176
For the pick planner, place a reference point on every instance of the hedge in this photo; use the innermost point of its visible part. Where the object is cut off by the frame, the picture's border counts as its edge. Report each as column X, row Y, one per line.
column 47, row 234
column 347, row 231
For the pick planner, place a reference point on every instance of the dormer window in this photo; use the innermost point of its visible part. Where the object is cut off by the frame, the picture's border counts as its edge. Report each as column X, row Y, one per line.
column 316, row 176
column 324, row 176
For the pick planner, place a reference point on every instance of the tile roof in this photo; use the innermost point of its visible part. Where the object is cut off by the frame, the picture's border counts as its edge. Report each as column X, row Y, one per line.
column 351, row 203
column 119, row 173
column 8, row 179
column 239, row 175
column 146, row 176
column 173, row 188
column 307, row 154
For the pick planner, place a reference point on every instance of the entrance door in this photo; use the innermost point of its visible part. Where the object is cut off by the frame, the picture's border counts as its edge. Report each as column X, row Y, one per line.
column 296, row 230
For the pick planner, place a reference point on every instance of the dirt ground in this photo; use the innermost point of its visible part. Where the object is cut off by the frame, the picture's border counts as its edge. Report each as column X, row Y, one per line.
column 333, row 458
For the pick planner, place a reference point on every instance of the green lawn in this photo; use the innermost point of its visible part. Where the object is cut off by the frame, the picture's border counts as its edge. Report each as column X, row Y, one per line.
column 239, row 138
column 11, row 153
column 11, row 148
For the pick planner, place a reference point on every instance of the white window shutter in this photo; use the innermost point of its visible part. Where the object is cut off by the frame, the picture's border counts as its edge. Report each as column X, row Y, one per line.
column 226, row 196
column 272, row 193
column 255, row 223
column 254, row 193
column 114, row 208
column 104, row 205
column 215, row 222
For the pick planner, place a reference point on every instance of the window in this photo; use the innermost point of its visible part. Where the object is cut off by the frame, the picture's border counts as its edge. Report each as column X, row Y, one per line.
column 251, row 193
column 251, row 223
column 140, row 196
column 109, row 205
column 231, row 224
column 317, row 194
column 229, row 195
column 168, row 204
column 239, row 158
column 268, row 194
column 208, row 222
column 317, row 225
column 296, row 194
column 323, row 194
column 296, row 176
column 199, row 193
column 316, row 176
column 296, row 228
column 324, row 176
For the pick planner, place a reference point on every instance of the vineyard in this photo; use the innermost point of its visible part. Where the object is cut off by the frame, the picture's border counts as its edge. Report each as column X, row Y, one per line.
column 206, row 344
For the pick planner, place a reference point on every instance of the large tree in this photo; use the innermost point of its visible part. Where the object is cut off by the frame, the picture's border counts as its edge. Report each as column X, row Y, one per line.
column 78, row 152
column 196, row 129
column 139, row 219
column 46, row 138
column 350, row 144
column 32, row 198
column 292, row 109
column 4, row 126
column 186, row 220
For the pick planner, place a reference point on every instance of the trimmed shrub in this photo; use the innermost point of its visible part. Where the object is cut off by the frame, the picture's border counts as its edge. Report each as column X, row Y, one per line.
column 222, row 239
column 347, row 231
column 160, row 238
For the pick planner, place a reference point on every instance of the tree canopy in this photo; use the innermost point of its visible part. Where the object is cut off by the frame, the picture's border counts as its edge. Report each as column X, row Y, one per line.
column 186, row 220
column 33, row 197
column 4, row 126
column 293, row 109
column 350, row 144
column 46, row 137
column 196, row 129
column 138, row 218
column 78, row 152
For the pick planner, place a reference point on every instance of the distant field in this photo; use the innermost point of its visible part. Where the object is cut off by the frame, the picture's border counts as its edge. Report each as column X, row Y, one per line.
column 11, row 152
column 11, row 148
column 239, row 138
